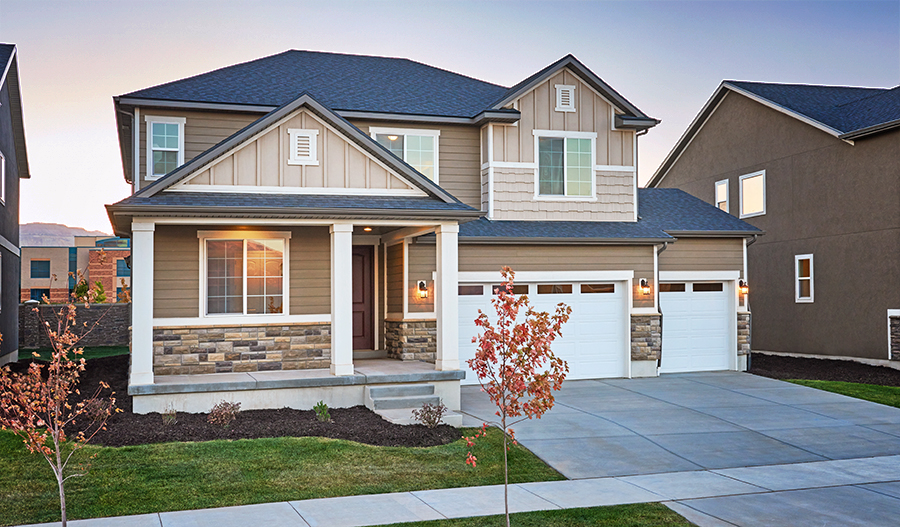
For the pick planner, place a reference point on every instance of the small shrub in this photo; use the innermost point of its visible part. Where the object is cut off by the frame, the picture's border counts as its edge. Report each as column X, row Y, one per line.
column 321, row 410
column 223, row 414
column 430, row 415
column 169, row 417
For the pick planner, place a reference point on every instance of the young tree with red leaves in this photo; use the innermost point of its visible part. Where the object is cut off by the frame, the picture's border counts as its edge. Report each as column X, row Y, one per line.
column 515, row 365
column 40, row 407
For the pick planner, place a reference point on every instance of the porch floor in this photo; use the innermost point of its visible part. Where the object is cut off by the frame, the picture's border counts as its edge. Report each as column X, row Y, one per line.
column 365, row 371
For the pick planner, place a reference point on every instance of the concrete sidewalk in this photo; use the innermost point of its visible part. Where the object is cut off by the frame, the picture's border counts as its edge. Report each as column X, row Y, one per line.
column 863, row 491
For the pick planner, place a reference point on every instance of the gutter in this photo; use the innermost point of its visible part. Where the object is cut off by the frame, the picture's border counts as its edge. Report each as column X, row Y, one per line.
column 715, row 234
column 545, row 240
column 874, row 129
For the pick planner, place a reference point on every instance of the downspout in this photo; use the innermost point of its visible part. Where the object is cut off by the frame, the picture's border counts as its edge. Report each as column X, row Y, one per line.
column 659, row 251
column 750, row 355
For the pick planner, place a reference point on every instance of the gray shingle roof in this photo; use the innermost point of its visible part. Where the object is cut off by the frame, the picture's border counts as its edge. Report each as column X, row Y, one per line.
column 340, row 82
column 674, row 210
column 202, row 200
column 5, row 52
column 845, row 109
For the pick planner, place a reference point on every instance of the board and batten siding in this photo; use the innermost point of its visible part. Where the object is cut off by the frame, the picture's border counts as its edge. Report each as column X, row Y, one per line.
column 422, row 265
column 394, row 268
column 176, row 270
column 549, row 258
column 703, row 254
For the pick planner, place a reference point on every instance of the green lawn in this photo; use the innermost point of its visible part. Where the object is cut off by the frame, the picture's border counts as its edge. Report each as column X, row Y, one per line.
column 637, row 515
column 889, row 395
column 89, row 353
column 179, row 476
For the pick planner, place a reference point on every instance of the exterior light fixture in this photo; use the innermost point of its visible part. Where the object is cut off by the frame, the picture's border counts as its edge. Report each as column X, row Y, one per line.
column 367, row 229
column 393, row 137
column 645, row 286
column 423, row 289
column 744, row 288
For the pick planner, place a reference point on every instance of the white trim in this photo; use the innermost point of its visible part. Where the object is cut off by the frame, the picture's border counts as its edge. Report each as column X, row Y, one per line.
column 560, row 90
column 436, row 134
column 329, row 191
column 238, row 234
column 644, row 311
column 744, row 275
column 568, row 134
column 634, row 178
column 239, row 320
column 698, row 276
column 149, row 120
column 9, row 246
column 655, row 278
column 312, row 135
column 508, row 164
column 548, row 276
column 175, row 220
column 761, row 173
column 142, row 248
column 341, row 299
column 890, row 313
column 421, row 316
column 804, row 299
column 2, row 179
column 446, row 291
column 376, row 324
column 491, row 165
column 727, row 195
column 136, row 151
column 565, row 136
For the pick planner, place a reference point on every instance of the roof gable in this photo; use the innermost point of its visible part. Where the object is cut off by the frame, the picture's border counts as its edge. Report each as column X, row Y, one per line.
column 9, row 75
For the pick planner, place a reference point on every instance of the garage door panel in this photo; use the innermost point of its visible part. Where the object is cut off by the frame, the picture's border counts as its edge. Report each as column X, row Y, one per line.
column 696, row 328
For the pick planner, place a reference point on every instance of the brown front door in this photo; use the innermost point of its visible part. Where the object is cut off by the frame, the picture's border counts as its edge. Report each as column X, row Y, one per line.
column 363, row 297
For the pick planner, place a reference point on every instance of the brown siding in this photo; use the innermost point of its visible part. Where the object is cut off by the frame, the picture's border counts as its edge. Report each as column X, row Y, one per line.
column 703, row 254
column 394, row 270
column 422, row 264
column 481, row 258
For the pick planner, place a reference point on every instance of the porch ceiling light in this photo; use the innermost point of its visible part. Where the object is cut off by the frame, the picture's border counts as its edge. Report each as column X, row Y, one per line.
column 744, row 288
column 645, row 286
column 423, row 289
column 367, row 229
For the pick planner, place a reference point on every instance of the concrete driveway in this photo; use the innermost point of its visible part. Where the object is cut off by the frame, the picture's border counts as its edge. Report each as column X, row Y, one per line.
column 720, row 423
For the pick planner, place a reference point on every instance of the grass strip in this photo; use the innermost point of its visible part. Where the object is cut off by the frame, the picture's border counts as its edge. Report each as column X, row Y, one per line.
column 181, row 476
column 96, row 352
column 887, row 395
column 634, row 515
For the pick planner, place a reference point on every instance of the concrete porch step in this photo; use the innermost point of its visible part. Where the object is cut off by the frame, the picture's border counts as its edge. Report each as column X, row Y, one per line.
column 400, row 390
column 403, row 416
column 409, row 402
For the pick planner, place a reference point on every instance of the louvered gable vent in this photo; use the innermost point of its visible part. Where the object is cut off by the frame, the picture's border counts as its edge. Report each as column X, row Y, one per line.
column 302, row 147
column 565, row 98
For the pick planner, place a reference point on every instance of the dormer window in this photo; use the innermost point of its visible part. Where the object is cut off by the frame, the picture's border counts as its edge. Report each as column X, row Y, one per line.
column 302, row 148
column 565, row 98
column 419, row 148
column 165, row 145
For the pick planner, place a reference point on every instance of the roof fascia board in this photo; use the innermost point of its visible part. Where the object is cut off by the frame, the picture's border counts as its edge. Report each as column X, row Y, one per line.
column 8, row 65
column 504, row 240
column 11, row 75
column 225, row 107
column 874, row 129
column 715, row 234
column 787, row 111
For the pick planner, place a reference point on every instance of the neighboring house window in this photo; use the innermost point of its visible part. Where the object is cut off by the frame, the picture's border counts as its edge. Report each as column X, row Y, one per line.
column 39, row 294
column 803, row 282
column 40, row 268
column 119, row 295
column 419, row 148
column 122, row 269
column 753, row 194
column 303, row 149
column 722, row 194
column 2, row 179
column 566, row 165
column 165, row 145
column 565, row 98
column 245, row 276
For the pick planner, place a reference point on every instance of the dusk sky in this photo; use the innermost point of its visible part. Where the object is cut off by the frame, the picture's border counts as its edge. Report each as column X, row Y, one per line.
column 666, row 57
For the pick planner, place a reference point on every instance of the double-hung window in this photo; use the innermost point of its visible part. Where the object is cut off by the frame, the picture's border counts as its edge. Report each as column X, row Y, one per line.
column 565, row 164
column 753, row 194
column 245, row 273
column 803, row 278
column 722, row 195
column 165, row 145
column 419, row 148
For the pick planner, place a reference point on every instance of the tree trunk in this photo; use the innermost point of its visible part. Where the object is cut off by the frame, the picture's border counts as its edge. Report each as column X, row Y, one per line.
column 62, row 498
column 505, row 474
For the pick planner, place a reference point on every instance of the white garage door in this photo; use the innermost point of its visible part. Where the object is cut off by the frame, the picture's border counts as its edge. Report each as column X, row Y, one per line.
column 696, row 326
column 593, row 341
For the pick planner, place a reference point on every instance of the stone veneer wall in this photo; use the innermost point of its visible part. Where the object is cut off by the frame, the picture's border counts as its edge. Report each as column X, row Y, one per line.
column 895, row 338
column 646, row 337
column 225, row 349
column 743, row 336
column 411, row 339
column 112, row 330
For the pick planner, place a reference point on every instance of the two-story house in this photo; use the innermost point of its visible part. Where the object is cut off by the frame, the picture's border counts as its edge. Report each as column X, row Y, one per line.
column 13, row 166
column 307, row 225
column 816, row 167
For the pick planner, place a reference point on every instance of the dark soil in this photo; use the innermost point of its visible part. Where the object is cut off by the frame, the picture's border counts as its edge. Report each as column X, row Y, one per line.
column 778, row 367
column 355, row 424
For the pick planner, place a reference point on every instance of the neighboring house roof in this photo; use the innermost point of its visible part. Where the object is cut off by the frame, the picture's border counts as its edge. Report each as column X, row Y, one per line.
column 846, row 112
column 9, row 73
column 664, row 214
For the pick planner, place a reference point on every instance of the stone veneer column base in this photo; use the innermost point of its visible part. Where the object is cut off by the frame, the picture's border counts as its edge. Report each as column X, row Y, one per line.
column 646, row 337
column 895, row 337
column 225, row 349
column 411, row 339
column 743, row 333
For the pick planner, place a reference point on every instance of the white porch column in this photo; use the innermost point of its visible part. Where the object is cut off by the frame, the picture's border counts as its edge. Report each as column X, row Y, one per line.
column 447, row 297
column 342, row 299
column 142, row 303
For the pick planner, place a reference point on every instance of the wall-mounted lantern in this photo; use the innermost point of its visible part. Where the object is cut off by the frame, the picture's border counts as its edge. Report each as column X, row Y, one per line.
column 423, row 289
column 645, row 286
column 743, row 287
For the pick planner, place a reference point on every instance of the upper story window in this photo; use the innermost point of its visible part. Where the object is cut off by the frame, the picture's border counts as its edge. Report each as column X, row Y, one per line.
column 565, row 98
column 565, row 164
column 803, row 278
column 165, row 145
column 40, row 268
column 303, row 149
column 753, row 194
column 722, row 195
column 419, row 148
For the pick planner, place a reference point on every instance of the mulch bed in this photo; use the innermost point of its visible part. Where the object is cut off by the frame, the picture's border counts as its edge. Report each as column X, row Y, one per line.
column 355, row 424
column 778, row 367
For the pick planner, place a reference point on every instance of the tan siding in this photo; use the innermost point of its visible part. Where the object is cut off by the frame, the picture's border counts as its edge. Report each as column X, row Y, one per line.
column 482, row 258
column 394, row 270
column 310, row 271
column 59, row 267
column 422, row 264
column 703, row 254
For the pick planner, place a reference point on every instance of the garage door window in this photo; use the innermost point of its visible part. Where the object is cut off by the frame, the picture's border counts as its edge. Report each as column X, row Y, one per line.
column 671, row 288
column 517, row 289
column 587, row 289
column 554, row 289
column 708, row 288
column 471, row 290
column 803, row 287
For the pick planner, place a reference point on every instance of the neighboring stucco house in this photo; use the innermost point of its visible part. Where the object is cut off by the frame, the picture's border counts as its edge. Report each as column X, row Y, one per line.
column 13, row 166
column 818, row 169
column 51, row 271
column 308, row 226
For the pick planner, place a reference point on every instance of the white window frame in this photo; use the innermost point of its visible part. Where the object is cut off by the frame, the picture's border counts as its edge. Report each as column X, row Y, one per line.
column 802, row 299
column 2, row 179
column 559, row 134
column 760, row 173
column 149, row 120
column 205, row 236
column 312, row 158
column 436, row 134
column 560, row 89
column 727, row 196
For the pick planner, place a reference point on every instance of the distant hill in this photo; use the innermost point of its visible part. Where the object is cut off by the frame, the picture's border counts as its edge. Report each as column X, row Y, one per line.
column 52, row 234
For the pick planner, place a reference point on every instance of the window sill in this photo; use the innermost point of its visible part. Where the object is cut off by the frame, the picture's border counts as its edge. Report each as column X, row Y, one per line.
column 752, row 215
column 803, row 300
column 565, row 198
